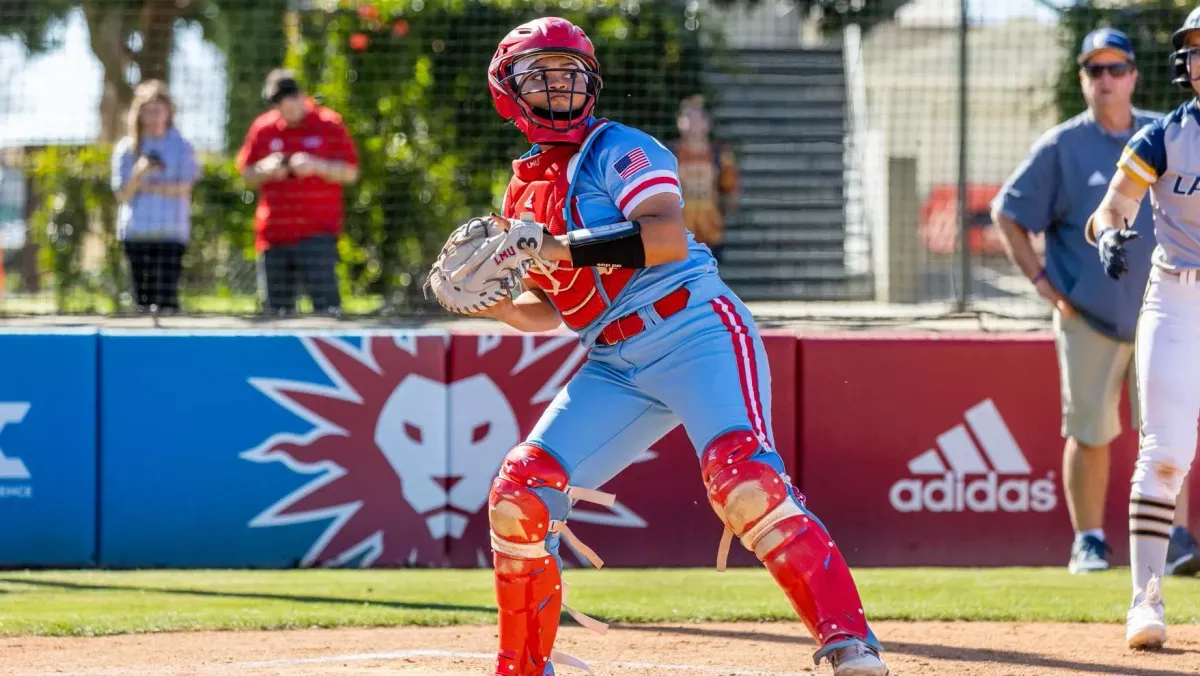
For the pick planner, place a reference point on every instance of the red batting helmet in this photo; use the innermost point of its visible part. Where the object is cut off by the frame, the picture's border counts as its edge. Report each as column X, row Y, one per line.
column 548, row 35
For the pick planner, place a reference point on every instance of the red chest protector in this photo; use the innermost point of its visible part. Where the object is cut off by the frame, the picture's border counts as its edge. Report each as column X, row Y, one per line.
column 539, row 187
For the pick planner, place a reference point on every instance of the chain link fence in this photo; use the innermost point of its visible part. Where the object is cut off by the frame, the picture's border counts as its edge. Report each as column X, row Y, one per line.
column 855, row 147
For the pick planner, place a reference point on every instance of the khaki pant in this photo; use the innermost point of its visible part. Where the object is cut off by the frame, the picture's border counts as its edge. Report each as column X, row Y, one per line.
column 1092, row 368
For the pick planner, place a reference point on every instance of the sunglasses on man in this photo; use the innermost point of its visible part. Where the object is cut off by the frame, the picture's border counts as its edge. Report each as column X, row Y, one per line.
column 1117, row 70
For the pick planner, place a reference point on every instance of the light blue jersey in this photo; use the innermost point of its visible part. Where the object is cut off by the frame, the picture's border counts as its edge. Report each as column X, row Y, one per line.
column 1165, row 157
column 615, row 170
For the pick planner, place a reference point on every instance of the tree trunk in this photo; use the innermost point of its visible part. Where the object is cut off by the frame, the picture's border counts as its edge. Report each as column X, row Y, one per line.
column 107, row 36
column 110, row 26
column 156, row 25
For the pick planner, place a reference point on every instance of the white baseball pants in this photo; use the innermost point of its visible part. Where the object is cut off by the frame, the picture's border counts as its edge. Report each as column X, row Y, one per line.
column 1168, row 372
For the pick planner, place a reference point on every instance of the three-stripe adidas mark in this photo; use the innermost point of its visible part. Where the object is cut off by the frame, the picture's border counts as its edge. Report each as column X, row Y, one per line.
column 951, row 492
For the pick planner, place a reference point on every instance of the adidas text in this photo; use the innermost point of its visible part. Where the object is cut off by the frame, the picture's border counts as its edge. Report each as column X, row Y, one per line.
column 958, row 493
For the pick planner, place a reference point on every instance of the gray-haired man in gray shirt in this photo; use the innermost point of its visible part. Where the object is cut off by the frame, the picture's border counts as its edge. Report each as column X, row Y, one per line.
column 1054, row 191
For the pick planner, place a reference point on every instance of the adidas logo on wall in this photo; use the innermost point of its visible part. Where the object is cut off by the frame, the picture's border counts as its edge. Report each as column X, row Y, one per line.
column 950, row 486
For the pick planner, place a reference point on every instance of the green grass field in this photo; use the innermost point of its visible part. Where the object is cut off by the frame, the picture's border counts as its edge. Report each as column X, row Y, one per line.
column 112, row 602
column 194, row 303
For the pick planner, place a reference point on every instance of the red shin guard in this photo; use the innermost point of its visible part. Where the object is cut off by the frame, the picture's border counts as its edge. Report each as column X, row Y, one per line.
column 757, row 505
column 529, row 585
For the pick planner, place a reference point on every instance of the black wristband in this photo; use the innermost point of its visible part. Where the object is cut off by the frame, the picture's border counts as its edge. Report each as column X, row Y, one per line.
column 619, row 245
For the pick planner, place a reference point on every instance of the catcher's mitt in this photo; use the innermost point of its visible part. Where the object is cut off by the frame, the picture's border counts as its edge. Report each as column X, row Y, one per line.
column 482, row 263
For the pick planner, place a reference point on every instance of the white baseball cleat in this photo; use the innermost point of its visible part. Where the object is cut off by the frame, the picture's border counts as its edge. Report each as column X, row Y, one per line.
column 858, row 659
column 1145, row 624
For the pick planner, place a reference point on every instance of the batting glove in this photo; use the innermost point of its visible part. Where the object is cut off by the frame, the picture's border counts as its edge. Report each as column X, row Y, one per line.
column 1112, row 251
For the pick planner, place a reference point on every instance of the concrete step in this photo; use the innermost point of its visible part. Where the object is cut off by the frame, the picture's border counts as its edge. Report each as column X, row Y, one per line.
column 752, row 109
column 737, row 236
column 783, row 272
column 787, row 189
column 785, row 60
column 789, row 202
column 792, row 147
column 793, row 218
column 792, row 163
column 798, row 256
column 786, row 79
column 759, row 130
column 784, row 96
column 802, row 290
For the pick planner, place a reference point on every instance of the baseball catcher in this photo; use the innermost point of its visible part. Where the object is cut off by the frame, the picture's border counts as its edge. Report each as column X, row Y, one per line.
column 593, row 227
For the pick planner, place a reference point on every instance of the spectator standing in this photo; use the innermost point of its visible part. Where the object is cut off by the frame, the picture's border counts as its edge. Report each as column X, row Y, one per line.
column 708, row 175
column 299, row 155
column 154, row 169
column 1054, row 191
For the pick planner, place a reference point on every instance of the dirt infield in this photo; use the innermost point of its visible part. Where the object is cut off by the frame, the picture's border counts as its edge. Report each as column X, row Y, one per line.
column 925, row 648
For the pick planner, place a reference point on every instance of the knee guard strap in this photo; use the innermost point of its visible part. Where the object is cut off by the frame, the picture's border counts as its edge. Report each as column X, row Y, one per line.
column 529, row 491
column 766, row 512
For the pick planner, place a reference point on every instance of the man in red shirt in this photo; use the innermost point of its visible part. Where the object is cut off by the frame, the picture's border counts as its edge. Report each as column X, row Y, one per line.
column 299, row 155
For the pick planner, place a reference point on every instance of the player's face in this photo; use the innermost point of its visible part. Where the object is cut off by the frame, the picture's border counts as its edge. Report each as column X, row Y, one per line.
column 1108, row 79
column 1193, row 43
column 559, row 76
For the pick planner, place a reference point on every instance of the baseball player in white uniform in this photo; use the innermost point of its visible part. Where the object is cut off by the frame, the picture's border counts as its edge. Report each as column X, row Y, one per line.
column 1164, row 159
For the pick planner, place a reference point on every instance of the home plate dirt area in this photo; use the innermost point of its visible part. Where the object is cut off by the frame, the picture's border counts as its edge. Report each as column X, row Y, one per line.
column 730, row 649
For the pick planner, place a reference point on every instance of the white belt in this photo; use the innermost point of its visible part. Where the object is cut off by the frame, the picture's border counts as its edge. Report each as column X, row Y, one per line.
column 1186, row 276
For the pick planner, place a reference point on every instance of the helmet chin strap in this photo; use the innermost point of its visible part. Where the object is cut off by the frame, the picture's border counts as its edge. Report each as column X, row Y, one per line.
column 554, row 116
column 543, row 126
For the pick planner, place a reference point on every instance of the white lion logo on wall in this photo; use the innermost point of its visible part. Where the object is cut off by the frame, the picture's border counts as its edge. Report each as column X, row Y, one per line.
column 405, row 442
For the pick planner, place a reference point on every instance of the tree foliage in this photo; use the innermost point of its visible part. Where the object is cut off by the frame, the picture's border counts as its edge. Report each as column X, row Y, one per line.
column 410, row 78
column 253, row 39
column 73, row 196
column 132, row 39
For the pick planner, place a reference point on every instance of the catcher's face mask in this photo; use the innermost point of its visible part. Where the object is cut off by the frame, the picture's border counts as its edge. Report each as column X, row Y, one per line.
column 555, row 88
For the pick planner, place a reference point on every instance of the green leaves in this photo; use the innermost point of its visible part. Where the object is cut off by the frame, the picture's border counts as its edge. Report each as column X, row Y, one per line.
column 410, row 80
column 74, row 199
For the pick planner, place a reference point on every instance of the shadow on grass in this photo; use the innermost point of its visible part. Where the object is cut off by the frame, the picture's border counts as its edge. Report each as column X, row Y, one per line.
column 248, row 595
column 937, row 652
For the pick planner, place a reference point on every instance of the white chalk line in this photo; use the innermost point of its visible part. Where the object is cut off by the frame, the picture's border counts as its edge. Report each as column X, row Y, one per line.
column 451, row 654
column 437, row 654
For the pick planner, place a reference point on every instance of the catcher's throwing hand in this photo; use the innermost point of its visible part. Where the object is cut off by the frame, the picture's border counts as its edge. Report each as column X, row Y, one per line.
column 482, row 263
column 1112, row 251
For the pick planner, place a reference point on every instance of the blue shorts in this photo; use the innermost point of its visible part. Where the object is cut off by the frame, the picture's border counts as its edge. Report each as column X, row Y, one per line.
column 704, row 366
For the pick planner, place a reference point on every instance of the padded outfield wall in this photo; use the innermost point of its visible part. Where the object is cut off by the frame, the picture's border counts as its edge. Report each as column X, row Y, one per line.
column 129, row 448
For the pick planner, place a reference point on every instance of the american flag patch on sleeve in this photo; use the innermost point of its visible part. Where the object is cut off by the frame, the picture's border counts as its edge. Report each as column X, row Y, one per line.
column 631, row 163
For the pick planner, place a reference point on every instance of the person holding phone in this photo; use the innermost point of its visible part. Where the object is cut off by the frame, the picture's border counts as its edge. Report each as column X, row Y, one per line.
column 298, row 156
column 154, row 169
